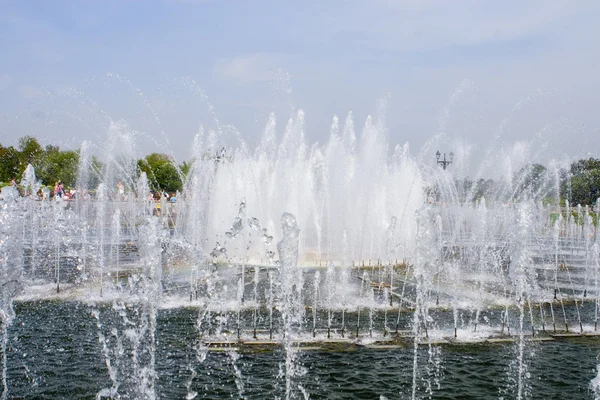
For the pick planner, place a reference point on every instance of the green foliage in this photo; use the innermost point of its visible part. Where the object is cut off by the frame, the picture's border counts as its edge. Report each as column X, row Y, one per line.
column 50, row 163
column 60, row 165
column 577, row 217
column 30, row 151
column 585, row 182
column 9, row 163
column 93, row 173
column 484, row 189
column 162, row 174
column 468, row 190
column 185, row 168
column 532, row 181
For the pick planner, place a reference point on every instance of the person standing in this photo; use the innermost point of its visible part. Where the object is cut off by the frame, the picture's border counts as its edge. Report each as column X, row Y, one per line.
column 58, row 189
column 121, row 190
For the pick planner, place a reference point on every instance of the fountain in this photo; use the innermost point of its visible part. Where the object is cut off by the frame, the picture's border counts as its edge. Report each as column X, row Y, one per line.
column 279, row 267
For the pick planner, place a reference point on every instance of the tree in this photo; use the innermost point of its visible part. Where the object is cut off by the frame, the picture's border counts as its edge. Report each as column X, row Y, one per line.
column 61, row 165
column 50, row 163
column 9, row 163
column 185, row 168
column 484, row 189
column 89, row 175
column 467, row 190
column 30, row 151
column 532, row 181
column 162, row 174
column 463, row 188
column 585, row 181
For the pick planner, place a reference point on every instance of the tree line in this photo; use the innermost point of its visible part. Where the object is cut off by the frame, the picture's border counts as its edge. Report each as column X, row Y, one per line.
column 579, row 183
column 52, row 164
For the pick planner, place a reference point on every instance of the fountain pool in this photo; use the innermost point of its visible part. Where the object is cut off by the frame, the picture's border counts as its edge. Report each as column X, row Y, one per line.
column 294, row 271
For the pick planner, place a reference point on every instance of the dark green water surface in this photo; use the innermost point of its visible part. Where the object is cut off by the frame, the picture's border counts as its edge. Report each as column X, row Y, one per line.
column 54, row 352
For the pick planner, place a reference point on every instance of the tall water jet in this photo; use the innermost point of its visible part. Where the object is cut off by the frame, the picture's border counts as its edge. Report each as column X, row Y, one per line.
column 520, row 274
column 127, row 329
column 426, row 258
column 12, row 217
column 292, row 309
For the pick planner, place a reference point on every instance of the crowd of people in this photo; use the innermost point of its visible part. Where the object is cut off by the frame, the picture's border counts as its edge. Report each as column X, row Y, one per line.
column 60, row 192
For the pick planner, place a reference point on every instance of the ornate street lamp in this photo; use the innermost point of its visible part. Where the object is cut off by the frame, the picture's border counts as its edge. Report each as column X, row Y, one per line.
column 444, row 163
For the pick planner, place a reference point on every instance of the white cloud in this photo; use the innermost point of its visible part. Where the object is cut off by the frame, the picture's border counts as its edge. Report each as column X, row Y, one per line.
column 5, row 81
column 257, row 67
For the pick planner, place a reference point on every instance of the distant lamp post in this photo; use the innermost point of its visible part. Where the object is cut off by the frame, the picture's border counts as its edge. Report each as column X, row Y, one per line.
column 444, row 163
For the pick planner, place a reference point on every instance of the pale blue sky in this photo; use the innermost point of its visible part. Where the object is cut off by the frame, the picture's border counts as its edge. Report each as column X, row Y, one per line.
column 529, row 65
